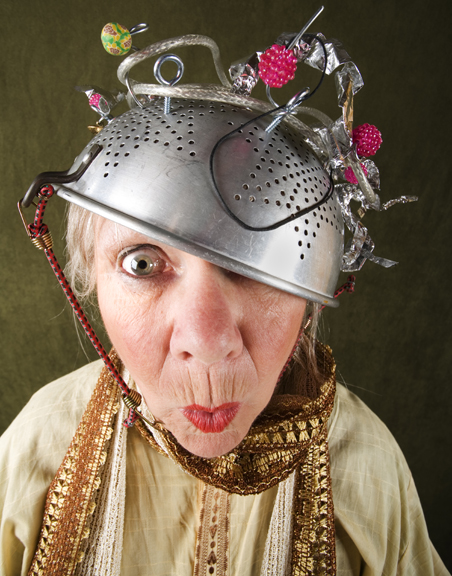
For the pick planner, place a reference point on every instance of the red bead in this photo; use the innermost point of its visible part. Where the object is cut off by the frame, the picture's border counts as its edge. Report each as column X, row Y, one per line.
column 350, row 175
column 367, row 139
column 277, row 66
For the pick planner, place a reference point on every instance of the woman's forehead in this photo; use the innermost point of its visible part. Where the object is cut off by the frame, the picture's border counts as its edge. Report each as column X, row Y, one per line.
column 109, row 234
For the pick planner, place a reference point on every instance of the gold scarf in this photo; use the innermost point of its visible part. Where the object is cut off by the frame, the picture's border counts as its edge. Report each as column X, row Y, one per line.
column 291, row 434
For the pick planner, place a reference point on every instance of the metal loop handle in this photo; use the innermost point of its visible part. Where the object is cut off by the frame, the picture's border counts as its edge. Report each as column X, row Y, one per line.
column 158, row 67
column 158, row 75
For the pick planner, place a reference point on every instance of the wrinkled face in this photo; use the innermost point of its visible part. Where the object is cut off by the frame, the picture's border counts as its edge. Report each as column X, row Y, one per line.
column 204, row 345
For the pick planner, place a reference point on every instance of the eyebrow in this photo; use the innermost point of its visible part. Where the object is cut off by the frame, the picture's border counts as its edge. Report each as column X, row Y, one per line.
column 134, row 247
column 121, row 237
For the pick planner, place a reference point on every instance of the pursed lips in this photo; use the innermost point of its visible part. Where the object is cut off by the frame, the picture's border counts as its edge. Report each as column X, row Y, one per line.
column 211, row 420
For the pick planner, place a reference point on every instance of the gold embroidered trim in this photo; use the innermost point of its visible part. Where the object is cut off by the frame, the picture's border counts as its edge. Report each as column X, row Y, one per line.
column 313, row 539
column 212, row 547
column 70, row 499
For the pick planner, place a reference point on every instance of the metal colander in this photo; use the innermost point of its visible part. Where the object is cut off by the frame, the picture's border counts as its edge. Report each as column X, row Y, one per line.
column 156, row 174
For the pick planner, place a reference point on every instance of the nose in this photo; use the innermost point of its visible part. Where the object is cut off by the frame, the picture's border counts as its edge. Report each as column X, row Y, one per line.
column 205, row 315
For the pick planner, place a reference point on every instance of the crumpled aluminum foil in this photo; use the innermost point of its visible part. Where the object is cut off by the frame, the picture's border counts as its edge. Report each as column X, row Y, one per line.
column 371, row 196
column 348, row 74
column 301, row 48
column 245, row 75
column 373, row 174
column 338, row 135
column 337, row 141
column 360, row 247
column 400, row 200
column 336, row 54
column 102, row 101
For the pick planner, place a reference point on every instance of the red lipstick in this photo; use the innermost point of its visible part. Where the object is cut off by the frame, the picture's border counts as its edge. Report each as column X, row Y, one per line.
column 210, row 420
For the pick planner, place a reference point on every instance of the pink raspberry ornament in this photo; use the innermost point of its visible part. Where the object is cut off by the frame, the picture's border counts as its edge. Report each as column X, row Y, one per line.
column 94, row 100
column 350, row 175
column 367, row 139
column 277, row 65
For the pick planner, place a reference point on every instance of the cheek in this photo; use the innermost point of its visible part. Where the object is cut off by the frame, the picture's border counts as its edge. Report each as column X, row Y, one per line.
column 274, row 322
column 135, row 325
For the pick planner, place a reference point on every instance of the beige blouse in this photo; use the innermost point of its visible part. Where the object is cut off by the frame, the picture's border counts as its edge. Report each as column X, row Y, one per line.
column 380, row 528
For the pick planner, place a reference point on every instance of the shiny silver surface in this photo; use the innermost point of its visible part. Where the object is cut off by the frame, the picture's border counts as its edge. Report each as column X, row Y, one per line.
column 153, row 175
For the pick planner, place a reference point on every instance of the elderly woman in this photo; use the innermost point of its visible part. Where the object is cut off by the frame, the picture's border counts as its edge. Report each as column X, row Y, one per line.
column 208, row 225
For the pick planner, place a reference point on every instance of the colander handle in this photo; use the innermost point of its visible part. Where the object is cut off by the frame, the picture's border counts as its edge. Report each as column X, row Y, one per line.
column 56, row 178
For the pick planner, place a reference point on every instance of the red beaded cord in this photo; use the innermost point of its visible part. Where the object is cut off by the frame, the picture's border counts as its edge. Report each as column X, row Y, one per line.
column 37, row 230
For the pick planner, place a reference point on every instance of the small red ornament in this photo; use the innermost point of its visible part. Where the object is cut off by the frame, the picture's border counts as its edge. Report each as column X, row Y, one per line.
column 277, row 65
column 367, row 139
column 350, row 175
column 94, row 99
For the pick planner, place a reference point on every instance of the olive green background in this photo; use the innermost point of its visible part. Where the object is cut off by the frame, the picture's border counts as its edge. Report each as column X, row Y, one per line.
column 391, row 338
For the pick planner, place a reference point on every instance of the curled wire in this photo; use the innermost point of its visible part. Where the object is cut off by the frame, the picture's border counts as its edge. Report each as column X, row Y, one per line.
column 280, row 113
column 223, row 202
column 325, row 67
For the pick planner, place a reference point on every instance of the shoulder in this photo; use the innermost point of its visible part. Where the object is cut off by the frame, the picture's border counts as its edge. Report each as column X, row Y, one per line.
column 31, row 451
column 380, row 527
column 47, row 423
column 369, row 473
column 57, row 405
column 357, row 436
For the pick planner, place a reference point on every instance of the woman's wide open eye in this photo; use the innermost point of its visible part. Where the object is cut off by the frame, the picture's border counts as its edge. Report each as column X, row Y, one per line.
column 142, row 261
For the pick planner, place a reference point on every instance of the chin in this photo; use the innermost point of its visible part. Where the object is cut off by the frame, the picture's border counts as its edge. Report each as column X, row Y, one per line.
column 210, row 445
column 209, row 433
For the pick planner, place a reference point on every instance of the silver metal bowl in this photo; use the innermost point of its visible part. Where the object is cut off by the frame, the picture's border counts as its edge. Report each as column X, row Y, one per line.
column 155, row 175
